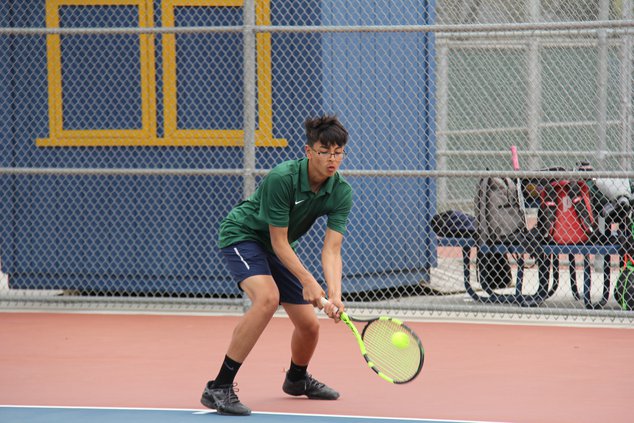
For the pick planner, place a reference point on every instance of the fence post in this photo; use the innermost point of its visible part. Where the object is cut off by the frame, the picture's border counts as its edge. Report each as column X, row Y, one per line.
column 602, row 86
column 534, row 85
column 442, row 109
column 626, row 90
column 249, row 71
column 249, row 97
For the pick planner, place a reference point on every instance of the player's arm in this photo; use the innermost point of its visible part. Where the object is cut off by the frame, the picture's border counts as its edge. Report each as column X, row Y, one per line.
column 332, row 265
column 331, row 253
column 313, row 292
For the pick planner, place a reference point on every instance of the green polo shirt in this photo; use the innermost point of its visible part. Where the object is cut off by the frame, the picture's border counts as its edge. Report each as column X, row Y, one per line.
column 284, row 199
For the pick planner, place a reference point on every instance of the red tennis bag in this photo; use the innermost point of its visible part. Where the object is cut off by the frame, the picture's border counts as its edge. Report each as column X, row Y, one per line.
column 567, row 213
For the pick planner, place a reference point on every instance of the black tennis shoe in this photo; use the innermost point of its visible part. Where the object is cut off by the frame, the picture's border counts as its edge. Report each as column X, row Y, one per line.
column 224, row 400
column 310, row 387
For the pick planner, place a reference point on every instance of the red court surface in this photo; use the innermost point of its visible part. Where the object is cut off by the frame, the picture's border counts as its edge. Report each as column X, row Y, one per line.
column 485, row 372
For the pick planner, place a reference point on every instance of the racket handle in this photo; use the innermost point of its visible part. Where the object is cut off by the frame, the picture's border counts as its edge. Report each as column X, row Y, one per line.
column 325, row 301
column 516, row 162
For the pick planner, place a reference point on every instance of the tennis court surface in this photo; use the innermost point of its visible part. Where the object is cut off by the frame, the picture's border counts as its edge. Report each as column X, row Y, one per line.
column 71, row 367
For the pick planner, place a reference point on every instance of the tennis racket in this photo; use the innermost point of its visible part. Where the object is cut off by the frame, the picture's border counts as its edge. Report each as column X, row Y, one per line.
column 390, row 348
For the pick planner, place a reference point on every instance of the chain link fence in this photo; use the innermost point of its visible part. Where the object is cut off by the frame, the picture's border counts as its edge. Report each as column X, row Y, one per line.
column 131, row 128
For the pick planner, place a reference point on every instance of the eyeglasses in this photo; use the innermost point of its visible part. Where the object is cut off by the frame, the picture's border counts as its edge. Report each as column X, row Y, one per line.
column 338, row 156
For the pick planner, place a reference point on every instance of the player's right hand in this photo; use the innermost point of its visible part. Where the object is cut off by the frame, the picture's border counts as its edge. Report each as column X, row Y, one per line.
column 313, row 293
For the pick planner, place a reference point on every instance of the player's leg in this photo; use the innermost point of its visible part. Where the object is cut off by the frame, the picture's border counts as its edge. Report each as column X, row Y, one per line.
column 303, row 343
column 265, row 299
column 304, row 338
column 306, row 333
column 247, row 263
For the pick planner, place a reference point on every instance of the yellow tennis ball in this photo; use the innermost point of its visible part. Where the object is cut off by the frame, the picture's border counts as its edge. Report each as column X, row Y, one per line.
column 400, row 340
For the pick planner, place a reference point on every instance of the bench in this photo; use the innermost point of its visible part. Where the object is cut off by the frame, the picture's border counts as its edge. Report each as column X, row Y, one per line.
column 547, row 286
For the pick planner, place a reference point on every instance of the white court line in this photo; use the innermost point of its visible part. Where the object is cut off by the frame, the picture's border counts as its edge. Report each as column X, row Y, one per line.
column 377, row 418
column 547, row 321
column 194, row 411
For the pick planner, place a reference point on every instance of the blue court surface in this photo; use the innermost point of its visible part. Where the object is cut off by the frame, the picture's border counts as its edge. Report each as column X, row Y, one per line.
column 26, row 414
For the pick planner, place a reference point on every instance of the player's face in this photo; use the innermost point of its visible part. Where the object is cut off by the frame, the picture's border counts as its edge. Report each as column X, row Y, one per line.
column 326, row 160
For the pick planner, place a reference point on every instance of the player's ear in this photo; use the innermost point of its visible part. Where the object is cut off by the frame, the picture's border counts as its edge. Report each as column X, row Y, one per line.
column 306, row 149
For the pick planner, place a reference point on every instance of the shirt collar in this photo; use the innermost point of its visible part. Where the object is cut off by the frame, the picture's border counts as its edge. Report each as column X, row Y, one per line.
column 305, row 184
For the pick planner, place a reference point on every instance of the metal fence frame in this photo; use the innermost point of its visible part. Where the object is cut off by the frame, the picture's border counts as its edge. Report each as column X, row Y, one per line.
column 445, row 35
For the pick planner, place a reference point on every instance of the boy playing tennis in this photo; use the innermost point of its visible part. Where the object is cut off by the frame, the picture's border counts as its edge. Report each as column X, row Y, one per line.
column 256, row 239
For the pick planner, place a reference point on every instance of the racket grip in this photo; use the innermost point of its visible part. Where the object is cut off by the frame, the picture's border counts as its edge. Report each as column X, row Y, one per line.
column 516, row 162
column 325, row 301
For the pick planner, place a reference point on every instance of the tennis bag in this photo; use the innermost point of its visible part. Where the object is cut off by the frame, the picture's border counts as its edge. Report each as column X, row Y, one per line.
column 566, row 215
column 499, row 215
column 454, row 224
column 624, row 288
column 499, row 218
column 493, row 270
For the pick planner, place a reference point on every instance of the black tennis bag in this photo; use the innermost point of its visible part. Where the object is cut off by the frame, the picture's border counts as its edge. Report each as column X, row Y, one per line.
column 454, row 224
column 493, row 270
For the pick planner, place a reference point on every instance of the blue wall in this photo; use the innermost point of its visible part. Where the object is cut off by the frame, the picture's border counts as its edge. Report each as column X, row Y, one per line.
column 6, row 136
column 107, row 233
column 398, row 139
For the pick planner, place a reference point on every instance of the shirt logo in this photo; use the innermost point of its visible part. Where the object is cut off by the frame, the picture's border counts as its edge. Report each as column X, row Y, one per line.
column 300, row 201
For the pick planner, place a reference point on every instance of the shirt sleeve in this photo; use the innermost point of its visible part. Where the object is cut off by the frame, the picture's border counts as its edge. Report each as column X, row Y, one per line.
column 338, row 217
column 276, row 199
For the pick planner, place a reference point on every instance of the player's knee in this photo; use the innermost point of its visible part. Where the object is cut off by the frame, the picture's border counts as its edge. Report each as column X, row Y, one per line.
column 310, row 328
column 268, row 302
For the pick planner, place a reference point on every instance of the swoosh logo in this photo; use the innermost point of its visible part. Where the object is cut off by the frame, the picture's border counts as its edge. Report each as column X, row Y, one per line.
column 300, row 201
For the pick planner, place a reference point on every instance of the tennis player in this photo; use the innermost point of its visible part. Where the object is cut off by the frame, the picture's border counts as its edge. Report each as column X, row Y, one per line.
column 257, row 239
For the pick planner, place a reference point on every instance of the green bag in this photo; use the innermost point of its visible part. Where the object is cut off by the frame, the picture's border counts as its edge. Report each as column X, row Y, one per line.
column 624, row 288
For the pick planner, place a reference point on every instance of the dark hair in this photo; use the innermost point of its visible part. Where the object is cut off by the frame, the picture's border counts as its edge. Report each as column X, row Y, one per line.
column 327, row 130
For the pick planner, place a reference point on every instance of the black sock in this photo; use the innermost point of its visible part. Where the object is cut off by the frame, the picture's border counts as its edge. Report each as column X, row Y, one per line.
column 296, row 372
column 227, row 372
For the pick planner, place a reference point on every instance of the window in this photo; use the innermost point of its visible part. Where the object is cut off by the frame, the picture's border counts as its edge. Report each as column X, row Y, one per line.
column 85, row 107
column 102, row 87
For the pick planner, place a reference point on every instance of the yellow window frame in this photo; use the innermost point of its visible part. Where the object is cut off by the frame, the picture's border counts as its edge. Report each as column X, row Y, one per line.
column 147, row 136
column 59, row 136
column 219, row 137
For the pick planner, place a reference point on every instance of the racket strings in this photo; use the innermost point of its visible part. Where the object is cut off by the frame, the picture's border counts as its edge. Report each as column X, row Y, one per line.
column 400, row 363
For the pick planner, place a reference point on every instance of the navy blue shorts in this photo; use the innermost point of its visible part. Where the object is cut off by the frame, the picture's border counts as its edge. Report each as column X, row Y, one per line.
column 249, row 258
